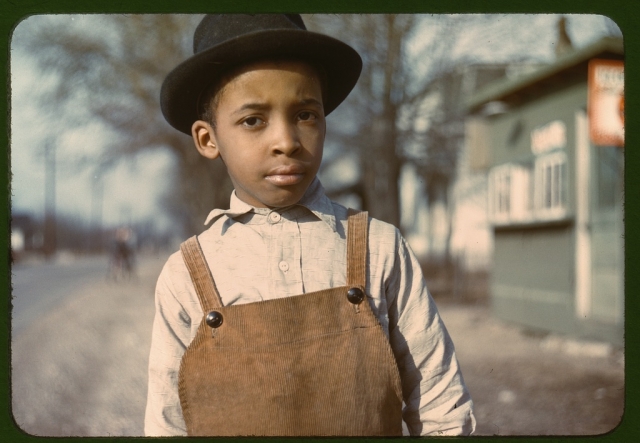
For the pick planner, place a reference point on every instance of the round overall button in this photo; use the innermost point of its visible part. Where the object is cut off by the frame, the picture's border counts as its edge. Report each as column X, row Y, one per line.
column 214, row 319
column 355, row 296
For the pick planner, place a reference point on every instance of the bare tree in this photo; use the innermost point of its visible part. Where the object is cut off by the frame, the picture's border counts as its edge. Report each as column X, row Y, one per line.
column 108, row 70
column 389, row 107
column 408, row 105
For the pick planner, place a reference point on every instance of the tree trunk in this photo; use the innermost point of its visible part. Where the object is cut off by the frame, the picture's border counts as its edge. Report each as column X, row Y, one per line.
column 381, row 169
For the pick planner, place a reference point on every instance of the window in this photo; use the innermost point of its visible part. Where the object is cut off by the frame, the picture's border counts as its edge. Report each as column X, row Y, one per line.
column 535, row 189
column 551, row 186
column 510, row 193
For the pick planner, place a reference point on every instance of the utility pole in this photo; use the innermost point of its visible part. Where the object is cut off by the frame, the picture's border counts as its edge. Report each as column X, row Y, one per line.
column 49, row 246
column 97, row 197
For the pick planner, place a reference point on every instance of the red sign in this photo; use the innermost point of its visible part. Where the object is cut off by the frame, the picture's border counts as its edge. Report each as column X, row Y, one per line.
column 606, row 102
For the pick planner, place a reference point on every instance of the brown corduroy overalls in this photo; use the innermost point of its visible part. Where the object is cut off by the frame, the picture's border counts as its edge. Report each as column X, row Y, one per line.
column 312, row 364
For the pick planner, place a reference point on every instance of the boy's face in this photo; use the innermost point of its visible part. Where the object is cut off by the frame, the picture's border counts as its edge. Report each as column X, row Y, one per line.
column 269, row 131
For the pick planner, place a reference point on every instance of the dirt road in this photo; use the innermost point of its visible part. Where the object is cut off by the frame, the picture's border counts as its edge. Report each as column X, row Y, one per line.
column 81, row 368
column 525, row 384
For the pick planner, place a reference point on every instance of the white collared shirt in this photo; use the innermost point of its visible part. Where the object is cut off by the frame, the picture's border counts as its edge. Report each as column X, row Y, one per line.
column 259, row 254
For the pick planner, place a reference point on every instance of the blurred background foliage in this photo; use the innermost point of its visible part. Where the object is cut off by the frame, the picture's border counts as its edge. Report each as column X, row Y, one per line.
column 105, row 72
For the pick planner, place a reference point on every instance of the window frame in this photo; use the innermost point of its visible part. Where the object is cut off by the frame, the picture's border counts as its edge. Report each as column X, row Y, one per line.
column 551, row 186
column 510, row 194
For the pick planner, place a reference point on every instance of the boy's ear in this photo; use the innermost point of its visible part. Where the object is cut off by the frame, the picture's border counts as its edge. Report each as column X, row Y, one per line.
column 204, row 139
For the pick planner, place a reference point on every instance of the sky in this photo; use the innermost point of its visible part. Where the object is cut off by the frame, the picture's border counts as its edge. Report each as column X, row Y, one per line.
column 132, row 191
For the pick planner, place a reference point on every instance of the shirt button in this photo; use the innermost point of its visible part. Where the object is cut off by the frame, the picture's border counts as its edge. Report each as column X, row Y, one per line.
column 274, row 217
column 284, row 266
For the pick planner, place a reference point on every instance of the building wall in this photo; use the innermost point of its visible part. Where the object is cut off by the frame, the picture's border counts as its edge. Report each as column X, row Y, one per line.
column 532, row 280
column 607, row 236
column 534, row 263
column 511, row 132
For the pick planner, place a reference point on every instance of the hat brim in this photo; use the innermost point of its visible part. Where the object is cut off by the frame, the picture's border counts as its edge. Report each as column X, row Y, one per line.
column 182, row 87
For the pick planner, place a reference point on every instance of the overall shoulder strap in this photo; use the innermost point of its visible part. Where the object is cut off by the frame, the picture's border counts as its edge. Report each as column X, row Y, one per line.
column 200, row 275
column 357, row 234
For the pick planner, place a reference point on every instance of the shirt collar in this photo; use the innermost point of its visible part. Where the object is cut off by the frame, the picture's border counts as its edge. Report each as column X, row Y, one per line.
column 314, row 199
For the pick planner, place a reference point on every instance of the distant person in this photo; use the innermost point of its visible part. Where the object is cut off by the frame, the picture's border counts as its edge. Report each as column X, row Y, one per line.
column 290, row 315
column 121, row 264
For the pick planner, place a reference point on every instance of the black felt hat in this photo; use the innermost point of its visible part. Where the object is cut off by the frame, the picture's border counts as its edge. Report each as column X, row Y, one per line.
column 224, row 40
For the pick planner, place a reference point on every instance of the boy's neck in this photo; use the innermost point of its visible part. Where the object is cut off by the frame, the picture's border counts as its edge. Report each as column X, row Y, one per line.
column 313, row 187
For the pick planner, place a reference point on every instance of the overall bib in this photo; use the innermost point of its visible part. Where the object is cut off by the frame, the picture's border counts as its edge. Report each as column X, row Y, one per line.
column 312, row 364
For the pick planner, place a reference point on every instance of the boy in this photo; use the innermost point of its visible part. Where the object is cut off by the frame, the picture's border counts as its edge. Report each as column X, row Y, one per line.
column 289, row 315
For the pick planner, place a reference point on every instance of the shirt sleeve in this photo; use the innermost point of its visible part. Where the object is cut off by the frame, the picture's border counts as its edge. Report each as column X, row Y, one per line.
column 169, row 340
column 436, row 398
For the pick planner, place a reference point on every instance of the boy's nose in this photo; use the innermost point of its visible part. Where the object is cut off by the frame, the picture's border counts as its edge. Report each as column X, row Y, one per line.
column 286, row 139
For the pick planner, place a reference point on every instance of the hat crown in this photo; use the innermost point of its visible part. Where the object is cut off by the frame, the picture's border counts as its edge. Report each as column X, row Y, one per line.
column 215, row 29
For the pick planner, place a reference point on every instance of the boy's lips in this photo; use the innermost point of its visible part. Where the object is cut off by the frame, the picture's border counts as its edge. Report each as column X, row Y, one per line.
column 285, row 175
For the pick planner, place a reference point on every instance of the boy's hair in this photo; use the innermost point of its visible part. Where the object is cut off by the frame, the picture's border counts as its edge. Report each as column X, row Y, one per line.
column 210, row 97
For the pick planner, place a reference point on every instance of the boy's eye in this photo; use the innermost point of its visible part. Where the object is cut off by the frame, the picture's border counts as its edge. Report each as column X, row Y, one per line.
column 252, row 121
column 305, row 115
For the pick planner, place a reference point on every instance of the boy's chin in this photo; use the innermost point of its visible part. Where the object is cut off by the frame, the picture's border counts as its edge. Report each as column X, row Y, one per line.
column 283, row 196
column 283, row 202
column 280, row 199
